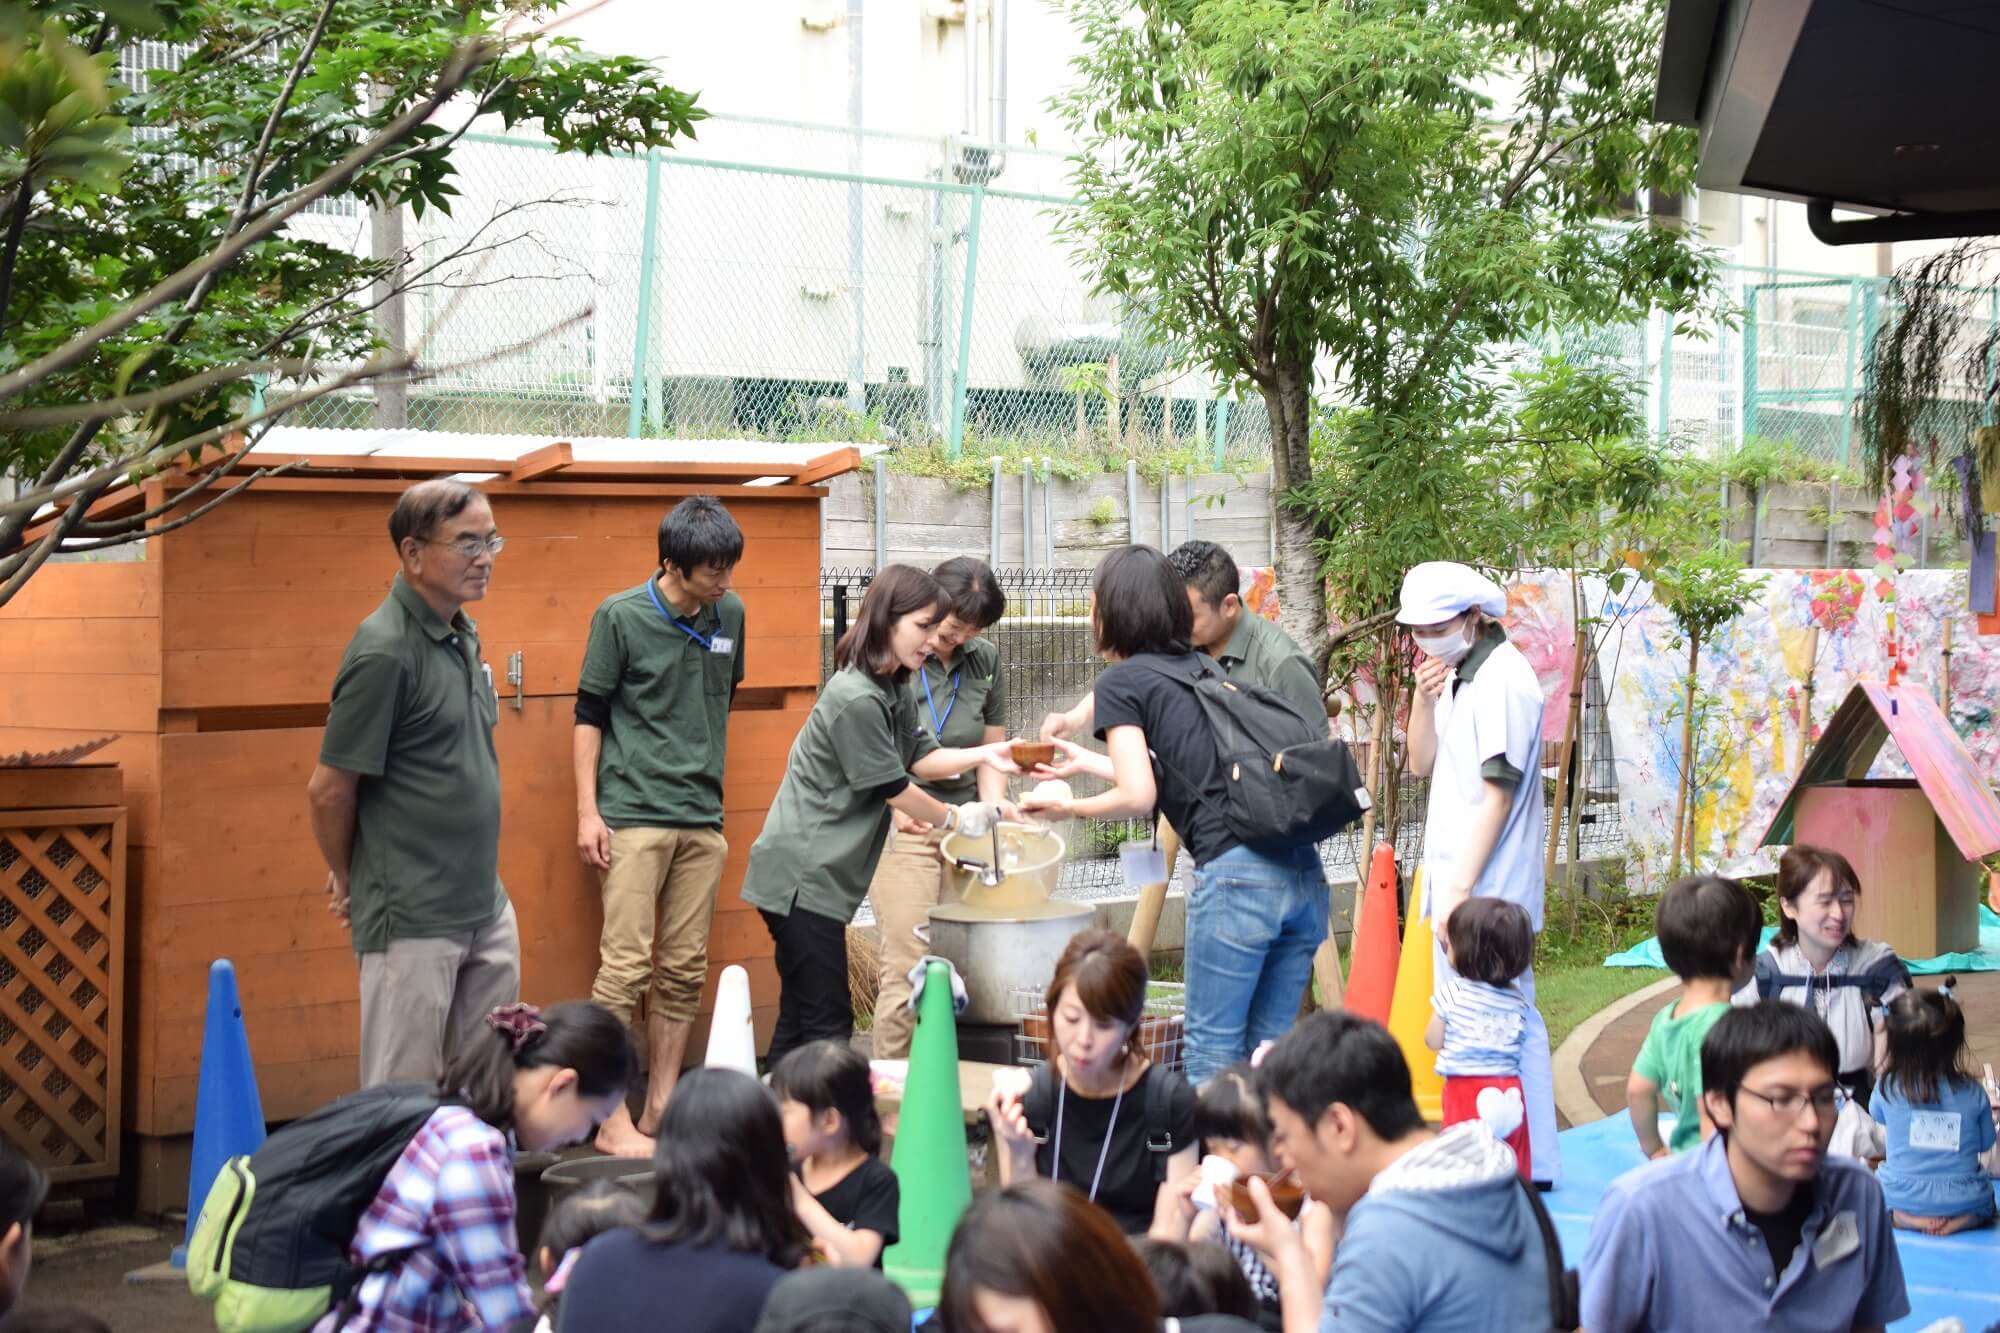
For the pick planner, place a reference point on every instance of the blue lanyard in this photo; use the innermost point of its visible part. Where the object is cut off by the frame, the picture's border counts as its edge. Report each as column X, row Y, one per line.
column 937, row 723
column 653, row 592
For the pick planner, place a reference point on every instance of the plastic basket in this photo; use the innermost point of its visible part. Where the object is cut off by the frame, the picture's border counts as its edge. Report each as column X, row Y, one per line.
column 1161, row 1024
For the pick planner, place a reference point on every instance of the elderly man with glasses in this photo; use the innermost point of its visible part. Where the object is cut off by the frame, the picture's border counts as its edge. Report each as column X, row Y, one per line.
column 405, row 800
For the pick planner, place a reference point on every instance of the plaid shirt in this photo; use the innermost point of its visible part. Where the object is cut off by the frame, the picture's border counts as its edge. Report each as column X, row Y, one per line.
column 450, row 1200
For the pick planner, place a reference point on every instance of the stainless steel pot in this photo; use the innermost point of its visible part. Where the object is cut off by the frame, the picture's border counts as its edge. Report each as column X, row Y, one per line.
column 996, row 953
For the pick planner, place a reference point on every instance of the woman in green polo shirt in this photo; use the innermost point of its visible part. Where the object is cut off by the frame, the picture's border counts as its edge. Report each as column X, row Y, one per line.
column 961, row 700
column 850, row 767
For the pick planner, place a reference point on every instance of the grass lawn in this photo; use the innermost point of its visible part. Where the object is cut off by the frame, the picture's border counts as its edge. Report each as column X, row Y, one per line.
column 1575, row 991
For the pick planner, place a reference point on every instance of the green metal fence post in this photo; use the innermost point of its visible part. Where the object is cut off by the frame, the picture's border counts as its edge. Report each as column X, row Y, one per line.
column 1221, row 430
column 643, row 321
column 956, row 437
column 1666, row 371
column 1854, row 302
column 1750, row 360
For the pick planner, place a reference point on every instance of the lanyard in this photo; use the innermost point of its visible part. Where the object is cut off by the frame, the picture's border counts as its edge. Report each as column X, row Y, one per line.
column 937, row 723
column 679, row 624
column 1055, row 1156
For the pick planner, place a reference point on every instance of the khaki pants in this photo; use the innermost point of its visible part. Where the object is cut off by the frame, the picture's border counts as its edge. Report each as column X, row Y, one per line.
column 909, row 881
column 659, row 898
column 424, row 1000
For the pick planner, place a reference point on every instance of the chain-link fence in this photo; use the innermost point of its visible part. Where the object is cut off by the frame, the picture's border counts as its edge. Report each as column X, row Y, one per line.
column 1047, row 663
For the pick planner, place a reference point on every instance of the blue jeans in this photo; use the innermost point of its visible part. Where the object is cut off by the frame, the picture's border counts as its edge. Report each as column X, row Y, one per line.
column 1253, row 922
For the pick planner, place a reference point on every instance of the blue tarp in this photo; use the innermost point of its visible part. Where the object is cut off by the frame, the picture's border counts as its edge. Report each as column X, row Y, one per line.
column 1944, row 1275
column 1986, row 958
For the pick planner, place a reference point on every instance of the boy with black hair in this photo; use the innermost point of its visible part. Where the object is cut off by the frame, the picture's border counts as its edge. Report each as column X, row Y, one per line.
column 1759, row 1228
column 23, row 1187
column 1709, row 930
column 660, row 668
column 1440, row 1235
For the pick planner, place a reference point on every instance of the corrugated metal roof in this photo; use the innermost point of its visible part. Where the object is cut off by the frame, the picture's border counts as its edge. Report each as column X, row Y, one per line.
column 323, row 440
column 54, row 758
column 1944, row 768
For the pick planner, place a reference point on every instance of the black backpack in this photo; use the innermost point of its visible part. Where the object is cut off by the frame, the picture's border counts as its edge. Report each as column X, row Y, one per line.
column 1565, row 1302
column 270, row 1246
column 1288, row 783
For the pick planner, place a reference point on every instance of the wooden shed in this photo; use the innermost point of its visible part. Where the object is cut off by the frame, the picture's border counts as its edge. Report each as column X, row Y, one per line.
column 1917, row 843
column 212, row 659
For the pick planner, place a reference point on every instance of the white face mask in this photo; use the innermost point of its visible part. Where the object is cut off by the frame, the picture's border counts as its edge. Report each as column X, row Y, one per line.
column 1449, row 648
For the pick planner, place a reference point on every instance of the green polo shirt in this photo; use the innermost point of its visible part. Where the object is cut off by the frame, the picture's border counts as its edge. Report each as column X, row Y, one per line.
column 669, row 690
column 825, row 830
column 1261, row 653
column 967, row 697
column 413, row 713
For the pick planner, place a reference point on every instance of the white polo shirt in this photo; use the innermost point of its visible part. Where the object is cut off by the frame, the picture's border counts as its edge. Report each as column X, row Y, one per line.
column 1489, row 721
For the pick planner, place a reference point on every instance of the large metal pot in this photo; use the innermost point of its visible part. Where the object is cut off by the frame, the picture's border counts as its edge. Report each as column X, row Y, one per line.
column 998, row 953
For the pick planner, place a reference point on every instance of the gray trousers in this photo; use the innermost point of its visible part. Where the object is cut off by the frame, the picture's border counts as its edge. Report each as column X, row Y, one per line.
column 423, row 1000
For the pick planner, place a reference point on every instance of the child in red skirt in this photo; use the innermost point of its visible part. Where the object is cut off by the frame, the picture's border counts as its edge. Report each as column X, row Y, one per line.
column 1479, row 1019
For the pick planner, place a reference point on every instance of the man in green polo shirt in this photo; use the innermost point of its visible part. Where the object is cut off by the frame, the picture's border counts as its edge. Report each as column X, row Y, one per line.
column 1249, row 647
column 652, row 724
column 405, row 800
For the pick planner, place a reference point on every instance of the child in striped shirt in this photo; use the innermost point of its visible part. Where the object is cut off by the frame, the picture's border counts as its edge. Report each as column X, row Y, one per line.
column 1479, row 1019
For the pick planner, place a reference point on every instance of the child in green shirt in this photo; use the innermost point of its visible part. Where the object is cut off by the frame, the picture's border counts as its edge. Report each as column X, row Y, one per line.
column 1709, row 929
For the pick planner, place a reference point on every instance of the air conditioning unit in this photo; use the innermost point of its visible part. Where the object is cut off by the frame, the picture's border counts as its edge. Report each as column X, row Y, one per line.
column 977, row 163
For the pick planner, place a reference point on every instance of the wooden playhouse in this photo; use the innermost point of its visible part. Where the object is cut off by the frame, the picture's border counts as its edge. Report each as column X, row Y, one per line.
column 1917, row 843
column 212, row 659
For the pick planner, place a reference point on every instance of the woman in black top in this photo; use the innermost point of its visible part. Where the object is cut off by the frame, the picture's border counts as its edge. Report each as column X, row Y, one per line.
column 722, row 1231
column 1113, row 1123
column 1254, row 917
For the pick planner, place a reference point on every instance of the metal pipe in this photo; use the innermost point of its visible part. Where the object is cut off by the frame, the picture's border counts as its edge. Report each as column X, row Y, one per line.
column 1048, row 509
column 1190, row 501
column 996, row 45
column 993, row 524
column 1027, row 510
column 1132, row 501
column 1900, row 227
column 857, row 366
column 881, row 512
column 972, row 69
column 1166, row 509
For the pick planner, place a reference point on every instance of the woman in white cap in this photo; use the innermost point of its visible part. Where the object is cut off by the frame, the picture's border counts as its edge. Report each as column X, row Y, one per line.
column 1476, row 732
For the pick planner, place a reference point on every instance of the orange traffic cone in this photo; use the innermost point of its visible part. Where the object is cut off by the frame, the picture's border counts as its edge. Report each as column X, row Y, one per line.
column 1371, row 974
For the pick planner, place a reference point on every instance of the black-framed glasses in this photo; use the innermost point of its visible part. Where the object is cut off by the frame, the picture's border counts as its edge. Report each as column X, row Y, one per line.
column 472, row 547
column 1788, row 1103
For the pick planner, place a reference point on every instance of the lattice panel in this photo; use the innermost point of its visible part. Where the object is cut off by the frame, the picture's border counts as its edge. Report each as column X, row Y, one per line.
column 62, row 910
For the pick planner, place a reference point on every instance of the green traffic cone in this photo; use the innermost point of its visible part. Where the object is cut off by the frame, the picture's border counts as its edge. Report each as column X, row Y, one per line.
column 929, row 1157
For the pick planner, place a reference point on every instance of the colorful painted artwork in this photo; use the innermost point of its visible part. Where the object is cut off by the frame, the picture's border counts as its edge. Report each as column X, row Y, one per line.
column 1753, row 682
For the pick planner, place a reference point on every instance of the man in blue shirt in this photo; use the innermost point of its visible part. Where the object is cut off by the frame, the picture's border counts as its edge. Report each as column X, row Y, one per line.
column 1759, row 1228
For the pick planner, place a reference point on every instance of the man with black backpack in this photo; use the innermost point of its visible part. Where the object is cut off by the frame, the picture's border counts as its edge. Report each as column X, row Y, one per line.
column 1250, row 783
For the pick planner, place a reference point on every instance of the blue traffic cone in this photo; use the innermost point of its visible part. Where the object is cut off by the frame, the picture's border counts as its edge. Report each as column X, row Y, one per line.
column 228, row 1114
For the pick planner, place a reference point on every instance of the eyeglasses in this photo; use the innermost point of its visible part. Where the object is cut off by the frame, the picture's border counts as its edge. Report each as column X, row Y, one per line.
column 471, row 547
column 1789, row 1104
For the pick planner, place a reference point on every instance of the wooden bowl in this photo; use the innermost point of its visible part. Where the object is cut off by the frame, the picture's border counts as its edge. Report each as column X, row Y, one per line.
column 1286, row 1192
column 1028, row 754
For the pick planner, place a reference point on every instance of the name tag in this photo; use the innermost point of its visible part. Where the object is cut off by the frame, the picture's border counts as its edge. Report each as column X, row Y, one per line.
column 1935, row 1131
column 1840, row 1239
column 718, row 644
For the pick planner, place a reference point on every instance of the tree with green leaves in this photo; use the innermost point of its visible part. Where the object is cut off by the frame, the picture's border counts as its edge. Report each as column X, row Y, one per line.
column 158, row 306
column 1362, row 203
